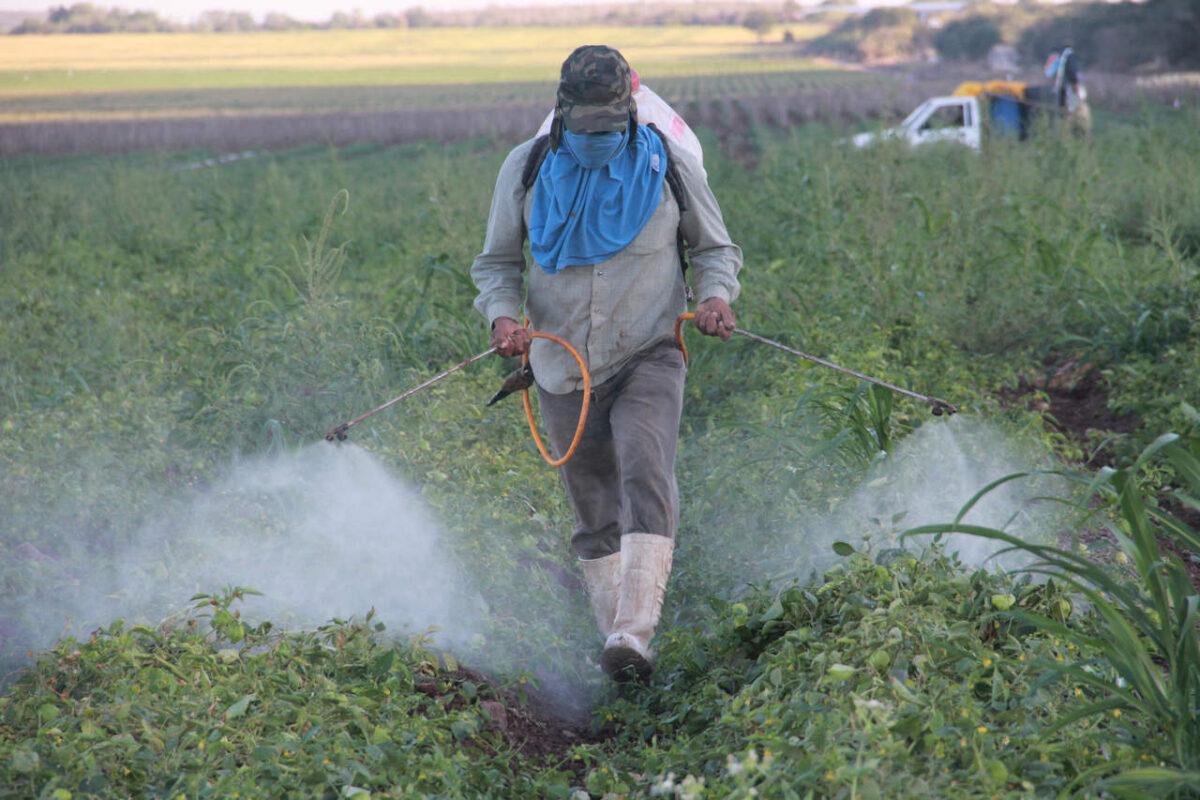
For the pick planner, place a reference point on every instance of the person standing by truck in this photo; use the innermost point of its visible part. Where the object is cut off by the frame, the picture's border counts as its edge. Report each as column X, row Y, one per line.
column 1070, row 96
column 604, row 204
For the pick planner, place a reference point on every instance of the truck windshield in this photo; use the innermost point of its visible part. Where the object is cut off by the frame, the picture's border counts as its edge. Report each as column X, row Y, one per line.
column 911, row 119
column 946, row 117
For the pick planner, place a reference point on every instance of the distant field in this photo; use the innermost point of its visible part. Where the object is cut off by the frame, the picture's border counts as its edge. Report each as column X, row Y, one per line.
column 232, row 92
column 36, row 65
column 116, row 93
column 390, row 96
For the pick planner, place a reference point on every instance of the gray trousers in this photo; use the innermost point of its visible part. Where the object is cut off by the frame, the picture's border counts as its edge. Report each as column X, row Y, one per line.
column 622, row 478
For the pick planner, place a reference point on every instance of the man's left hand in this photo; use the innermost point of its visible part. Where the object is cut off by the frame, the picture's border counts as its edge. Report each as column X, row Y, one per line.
column 714, row 317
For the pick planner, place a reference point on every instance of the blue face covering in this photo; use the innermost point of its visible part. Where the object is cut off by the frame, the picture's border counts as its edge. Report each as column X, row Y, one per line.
column 593, row 196
column 594, row 150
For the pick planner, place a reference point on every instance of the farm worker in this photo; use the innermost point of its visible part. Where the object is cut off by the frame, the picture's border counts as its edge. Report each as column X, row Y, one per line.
column 602, row 218
column 653, row 109
column 1069, row 92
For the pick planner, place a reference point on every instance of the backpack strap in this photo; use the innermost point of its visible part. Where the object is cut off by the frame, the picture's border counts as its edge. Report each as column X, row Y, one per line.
column 537, row 154
column 673, row 180
column 675, row 183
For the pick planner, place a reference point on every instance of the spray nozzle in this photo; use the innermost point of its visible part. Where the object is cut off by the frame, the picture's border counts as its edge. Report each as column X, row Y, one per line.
column 941, row 407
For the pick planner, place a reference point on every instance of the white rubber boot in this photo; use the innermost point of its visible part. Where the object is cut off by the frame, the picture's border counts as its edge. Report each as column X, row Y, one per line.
column 645, row 566
column 602, row 579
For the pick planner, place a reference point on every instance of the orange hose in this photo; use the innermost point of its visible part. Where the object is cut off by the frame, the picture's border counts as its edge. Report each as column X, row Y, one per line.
column 587, row 390
column 682, row 318
column 583, row 409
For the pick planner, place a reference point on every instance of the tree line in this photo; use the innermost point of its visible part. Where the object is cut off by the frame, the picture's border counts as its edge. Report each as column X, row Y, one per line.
column 91, row 18
column 1159, row 34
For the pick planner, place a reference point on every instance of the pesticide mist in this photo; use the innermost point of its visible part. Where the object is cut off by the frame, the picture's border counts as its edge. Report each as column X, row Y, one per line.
column 795, row 514
column 323, row 532
column 934, row 473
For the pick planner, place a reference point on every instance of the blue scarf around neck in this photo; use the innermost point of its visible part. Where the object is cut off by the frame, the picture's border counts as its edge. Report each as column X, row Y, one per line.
column 593, row 196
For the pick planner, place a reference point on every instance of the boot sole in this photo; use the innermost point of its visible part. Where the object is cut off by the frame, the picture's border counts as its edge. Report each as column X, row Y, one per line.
column 624, row 664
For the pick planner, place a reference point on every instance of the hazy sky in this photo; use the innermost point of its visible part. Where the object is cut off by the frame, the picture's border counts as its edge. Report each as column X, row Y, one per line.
column 186, row 10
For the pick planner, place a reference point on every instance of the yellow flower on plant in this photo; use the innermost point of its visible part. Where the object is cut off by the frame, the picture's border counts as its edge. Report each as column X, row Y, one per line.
column 982, row 729
column 987, row 662
column 1078, row 692
column 1116, row 713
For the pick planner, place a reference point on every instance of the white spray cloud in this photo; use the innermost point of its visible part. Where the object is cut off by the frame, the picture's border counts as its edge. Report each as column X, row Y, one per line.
column 325, row 531
column 933, row 473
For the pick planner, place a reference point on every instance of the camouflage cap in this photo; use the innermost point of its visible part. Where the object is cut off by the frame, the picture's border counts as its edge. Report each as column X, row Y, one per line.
column 594, row 90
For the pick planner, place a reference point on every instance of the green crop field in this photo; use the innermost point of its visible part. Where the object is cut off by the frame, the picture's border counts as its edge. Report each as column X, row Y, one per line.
column 173, row 342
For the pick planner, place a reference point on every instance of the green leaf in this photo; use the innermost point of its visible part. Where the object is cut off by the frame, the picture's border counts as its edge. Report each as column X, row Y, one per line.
column 1003, row 601
column 843, row 548
column 239, row 708
column 775, row 611
column 464, row 728
column 841, row 672
column 383, row 662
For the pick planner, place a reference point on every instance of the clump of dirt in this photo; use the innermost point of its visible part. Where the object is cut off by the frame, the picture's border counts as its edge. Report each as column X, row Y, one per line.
column 539, row 731
column 1072, row 395
column 530, row 721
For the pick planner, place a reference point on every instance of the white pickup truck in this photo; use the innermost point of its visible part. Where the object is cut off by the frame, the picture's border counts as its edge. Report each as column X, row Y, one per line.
column 938, row 119
column 977, row 110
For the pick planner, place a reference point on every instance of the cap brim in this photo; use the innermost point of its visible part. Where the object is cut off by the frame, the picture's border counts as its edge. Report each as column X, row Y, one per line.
column 595, row 119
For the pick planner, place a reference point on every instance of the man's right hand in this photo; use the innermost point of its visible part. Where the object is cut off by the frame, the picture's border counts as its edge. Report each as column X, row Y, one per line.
column 509, row 337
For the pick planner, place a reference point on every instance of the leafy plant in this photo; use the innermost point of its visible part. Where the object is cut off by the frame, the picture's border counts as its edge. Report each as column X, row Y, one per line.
column 1146, row 633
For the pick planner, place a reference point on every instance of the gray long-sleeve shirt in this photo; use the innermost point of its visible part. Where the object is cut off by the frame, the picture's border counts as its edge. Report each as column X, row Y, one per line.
column 611, row 310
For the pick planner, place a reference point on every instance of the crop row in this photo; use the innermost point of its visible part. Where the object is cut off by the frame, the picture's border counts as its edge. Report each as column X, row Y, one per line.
column 232, row 120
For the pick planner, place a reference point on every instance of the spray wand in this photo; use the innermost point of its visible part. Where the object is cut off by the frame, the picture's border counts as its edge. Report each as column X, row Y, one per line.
column 937, row 406
column 340, row 432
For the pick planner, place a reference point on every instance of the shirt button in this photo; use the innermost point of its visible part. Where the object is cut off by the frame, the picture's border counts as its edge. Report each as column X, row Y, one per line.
column 600, row 272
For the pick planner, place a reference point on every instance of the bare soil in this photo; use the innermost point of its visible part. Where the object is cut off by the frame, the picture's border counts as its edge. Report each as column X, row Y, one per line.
column 1071, row 394
column 535, row 722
